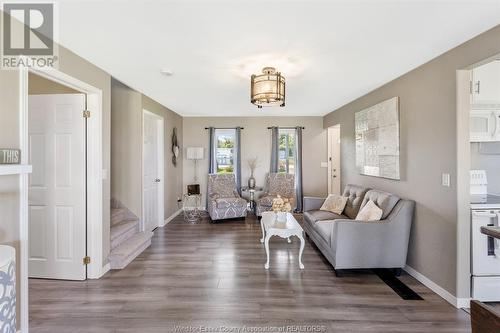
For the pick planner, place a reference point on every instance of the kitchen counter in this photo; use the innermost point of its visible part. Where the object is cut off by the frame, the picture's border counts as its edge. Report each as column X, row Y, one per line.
column 491, row 231
column 491, row 202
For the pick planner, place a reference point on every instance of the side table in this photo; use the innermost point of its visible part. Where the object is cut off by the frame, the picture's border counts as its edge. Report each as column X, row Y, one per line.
column 190, row 206
column 250, row 195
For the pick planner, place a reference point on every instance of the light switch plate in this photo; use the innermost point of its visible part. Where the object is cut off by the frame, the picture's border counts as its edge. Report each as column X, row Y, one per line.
column 324, row 164
column 445, row 179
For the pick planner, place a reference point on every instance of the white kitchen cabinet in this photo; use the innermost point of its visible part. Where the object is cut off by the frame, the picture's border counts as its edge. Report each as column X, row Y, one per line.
column 484, row 125
column 486, row 83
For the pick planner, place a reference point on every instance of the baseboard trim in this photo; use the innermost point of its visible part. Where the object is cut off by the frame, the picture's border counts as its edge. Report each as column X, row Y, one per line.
column 171, row 217
column 458, row 303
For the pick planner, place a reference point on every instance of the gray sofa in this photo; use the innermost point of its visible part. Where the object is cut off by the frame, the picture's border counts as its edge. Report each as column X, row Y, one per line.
column 351, row 244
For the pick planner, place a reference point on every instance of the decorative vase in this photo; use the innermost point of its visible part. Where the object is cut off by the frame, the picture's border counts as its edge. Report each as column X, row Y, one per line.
column 281, row 217
column 251, row 181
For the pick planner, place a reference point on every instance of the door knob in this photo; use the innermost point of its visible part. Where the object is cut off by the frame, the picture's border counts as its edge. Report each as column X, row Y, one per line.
column 157, row 180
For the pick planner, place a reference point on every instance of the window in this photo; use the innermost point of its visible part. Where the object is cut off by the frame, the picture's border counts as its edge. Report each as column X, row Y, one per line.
column 286, row 163
column 225, row 150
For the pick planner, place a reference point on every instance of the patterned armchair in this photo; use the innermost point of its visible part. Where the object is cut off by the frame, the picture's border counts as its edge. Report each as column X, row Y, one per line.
column 224, row 202
column 282, row 184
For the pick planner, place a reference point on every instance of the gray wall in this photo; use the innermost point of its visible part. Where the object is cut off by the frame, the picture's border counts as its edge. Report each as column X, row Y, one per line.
column 126, row 146
column 126, row 149
column 428, row 149
column 256, row 142
column 79, row 68
column 38, row 85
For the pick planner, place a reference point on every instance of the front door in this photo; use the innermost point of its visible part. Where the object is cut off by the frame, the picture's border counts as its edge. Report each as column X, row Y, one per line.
column 57, row 201
column 153, row 206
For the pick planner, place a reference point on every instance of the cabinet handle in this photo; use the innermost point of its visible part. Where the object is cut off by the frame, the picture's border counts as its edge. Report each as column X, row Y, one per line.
column 496, row 124
column 478, row 87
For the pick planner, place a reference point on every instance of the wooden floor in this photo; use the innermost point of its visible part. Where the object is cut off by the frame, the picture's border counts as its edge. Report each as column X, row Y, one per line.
column 210, row 278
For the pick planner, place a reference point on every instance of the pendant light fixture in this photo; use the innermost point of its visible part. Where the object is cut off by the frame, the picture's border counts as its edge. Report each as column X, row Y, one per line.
column 268, row 88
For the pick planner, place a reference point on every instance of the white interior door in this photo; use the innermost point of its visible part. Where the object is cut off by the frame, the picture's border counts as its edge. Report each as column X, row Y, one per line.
column 152, row 166
column 334, row 160
column 57, row 204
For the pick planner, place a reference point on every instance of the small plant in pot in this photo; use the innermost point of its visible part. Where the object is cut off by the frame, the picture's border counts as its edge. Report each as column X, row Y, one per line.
column 252, row 164
column 281, row 206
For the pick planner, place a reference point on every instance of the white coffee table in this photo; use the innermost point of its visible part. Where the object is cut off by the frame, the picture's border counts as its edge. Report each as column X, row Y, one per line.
column 270, row 228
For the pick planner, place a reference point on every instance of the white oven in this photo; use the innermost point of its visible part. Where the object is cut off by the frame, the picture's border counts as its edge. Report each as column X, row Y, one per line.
column 485, row 256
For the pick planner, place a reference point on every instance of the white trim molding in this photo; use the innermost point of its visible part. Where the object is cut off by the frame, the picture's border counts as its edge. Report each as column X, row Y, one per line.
column 171, row 217
column 23, row 201
column 14, row 169
column 94, row 179
column 458, row 303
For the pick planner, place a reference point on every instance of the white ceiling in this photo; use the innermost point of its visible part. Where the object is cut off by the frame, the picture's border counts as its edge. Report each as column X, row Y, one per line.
column 330, row 52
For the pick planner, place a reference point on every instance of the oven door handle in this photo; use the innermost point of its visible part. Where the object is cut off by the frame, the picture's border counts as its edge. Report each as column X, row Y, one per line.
column 483, row 214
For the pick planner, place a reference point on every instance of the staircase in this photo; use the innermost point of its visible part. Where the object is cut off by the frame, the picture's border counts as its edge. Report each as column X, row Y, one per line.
column 127, row 242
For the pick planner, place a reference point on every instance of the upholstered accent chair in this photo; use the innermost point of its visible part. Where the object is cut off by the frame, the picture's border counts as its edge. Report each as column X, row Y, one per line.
column 282, row 184
column 224, row 202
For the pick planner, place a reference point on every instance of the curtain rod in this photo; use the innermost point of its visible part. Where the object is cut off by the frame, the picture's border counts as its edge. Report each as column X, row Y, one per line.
column 289, row 127
column 225, row 127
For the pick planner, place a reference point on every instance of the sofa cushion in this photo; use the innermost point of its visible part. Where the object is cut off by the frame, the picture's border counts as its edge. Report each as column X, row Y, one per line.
column 324, row 229
column 355, row 195
column 369, row 212
column 322, row 215
column 230, row 202
column 385, row 201
column 334, row 203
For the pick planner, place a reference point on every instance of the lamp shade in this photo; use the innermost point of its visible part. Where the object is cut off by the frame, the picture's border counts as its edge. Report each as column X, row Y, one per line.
column 194, row 153
column 268, row 88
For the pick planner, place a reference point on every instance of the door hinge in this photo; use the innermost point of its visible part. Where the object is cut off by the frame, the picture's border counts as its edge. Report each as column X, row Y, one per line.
column 86, row 260
column 86, row 114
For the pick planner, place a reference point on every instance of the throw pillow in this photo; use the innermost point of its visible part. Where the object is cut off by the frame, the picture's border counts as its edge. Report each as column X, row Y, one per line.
column 334, row 203
column 370, row 212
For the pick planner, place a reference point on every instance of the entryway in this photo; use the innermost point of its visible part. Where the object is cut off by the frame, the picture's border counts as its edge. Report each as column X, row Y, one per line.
column 153, row 171
column 334, row 160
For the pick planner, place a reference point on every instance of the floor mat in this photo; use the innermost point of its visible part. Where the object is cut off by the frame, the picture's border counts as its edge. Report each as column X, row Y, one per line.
column 399, row 287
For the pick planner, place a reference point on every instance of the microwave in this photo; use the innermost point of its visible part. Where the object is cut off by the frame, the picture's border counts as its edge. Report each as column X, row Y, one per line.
column 484, row 125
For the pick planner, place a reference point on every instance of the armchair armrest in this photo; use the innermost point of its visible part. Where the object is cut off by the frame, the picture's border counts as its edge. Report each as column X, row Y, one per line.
column 312, row 203
column 213, row 196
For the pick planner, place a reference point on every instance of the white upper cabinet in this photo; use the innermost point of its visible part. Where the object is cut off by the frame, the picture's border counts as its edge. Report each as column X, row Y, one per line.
column 486, row 83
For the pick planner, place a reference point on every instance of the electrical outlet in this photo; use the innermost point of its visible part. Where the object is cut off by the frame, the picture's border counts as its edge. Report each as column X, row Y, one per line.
column 445, row 179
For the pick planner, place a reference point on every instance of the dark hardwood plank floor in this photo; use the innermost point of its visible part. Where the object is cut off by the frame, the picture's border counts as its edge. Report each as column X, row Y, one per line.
column 206, row 276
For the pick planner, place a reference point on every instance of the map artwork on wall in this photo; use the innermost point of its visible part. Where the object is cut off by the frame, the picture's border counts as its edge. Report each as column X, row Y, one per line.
column 377, row 140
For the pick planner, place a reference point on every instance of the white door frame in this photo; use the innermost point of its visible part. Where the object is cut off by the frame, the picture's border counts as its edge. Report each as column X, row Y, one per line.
column 161, row 170
column 329, row 148
column 94, row 178
column 463, row 187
